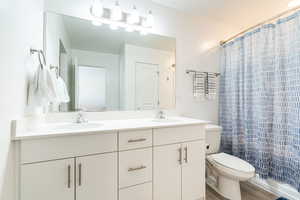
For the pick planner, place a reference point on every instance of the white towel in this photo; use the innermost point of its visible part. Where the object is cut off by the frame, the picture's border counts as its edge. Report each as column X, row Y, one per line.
column 41, row 87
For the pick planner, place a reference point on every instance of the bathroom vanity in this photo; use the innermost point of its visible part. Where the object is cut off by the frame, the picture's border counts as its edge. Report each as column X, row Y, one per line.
column 137, row 159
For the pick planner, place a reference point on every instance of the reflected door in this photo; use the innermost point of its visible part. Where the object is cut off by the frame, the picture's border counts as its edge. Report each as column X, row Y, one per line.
column 146, row 86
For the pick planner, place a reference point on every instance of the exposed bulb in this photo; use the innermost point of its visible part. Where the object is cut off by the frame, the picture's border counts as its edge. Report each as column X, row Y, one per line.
column 129, row 29
column 149, row 20
column 96, row 22
column 113, row 26
column 116, row 12
column 144, row 32
column 97, row 8
column 294, row 3
column 134, row 17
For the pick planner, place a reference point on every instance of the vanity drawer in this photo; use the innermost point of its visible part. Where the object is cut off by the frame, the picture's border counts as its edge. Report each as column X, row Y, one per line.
column 135, row 167
column 37, row 150
column 135, row 139
column 179, row 134
column 138, row 192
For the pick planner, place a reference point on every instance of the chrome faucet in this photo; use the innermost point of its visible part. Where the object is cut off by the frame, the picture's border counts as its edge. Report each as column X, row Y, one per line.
column 161, row 114
column 80, row 117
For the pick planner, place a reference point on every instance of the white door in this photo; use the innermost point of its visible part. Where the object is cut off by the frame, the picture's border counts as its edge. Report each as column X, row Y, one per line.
column 97, row 177
column 167, row 173
column 193, row 171
column 146, row 86
column 48, row 180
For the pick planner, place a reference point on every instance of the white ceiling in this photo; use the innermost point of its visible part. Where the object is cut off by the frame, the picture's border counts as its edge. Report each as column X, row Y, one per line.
column 85, row 36
column 232, row 12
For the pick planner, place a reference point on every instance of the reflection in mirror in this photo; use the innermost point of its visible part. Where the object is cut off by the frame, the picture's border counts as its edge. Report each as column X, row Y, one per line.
column 109, row 70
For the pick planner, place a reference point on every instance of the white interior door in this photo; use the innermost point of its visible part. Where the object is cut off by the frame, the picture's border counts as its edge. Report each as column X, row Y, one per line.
column 167, row 173
column 146, row 86
column 193, row 171
column 48, row 180
column 97, row 177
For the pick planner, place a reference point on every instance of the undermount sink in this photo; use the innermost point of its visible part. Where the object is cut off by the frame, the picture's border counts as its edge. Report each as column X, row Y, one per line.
column 70, row 126
column 166, row 120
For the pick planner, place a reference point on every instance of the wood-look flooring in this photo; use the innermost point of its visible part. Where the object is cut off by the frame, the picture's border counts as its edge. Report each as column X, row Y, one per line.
column 249, row 192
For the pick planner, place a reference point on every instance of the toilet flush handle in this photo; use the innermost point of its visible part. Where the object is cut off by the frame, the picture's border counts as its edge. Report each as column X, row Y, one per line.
column 207, row 146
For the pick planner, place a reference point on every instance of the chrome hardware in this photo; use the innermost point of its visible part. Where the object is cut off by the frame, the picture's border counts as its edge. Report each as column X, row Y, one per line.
column 137, row 168
column 180, row 156
column 137, row 140
column 160, row 114
column 79, row 174
column 69, row 176
column 186, row 154
column 80, row 117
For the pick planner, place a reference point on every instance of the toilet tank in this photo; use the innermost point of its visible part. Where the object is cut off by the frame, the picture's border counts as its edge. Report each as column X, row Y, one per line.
column 212, row 138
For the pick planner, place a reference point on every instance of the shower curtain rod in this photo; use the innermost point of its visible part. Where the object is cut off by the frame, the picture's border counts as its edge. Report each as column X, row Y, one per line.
column 260, row 24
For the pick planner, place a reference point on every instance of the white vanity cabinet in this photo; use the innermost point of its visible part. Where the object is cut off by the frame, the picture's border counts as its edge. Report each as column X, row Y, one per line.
column 161, row 163
column 179, row 169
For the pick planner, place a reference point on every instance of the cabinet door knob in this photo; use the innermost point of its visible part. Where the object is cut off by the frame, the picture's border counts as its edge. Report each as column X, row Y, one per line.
column 69, row 176
column 79, row 174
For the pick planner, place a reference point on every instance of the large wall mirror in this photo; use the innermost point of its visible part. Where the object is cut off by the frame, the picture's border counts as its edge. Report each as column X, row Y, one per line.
column 109, row 70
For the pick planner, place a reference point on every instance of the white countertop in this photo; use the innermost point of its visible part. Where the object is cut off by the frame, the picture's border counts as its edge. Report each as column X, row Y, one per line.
column 104, row 126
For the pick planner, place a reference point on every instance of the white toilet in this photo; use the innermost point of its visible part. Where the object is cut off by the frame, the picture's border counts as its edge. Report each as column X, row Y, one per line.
column 224, row 171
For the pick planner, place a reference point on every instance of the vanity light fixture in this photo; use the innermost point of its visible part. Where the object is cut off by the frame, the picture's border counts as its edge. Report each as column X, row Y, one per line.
column 116, row 12
column 97, row 8
column 294, row 3
column 133, row 17
column 116, row 18
column 96, row 22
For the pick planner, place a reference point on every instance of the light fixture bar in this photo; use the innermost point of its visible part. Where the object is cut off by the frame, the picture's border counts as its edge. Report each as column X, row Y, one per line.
column 123, row 22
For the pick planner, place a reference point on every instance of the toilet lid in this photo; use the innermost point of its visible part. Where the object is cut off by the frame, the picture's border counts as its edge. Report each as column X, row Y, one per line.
column 232, row 162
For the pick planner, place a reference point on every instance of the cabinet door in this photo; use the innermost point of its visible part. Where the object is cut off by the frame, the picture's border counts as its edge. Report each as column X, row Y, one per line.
column 167, row 172
column 48, row 180
column 193, row 171
column 97, row 177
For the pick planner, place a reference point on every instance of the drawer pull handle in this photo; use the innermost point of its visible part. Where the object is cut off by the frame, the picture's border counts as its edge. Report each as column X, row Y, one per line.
column 137, row 168
column 69, row 176
column 137, row 140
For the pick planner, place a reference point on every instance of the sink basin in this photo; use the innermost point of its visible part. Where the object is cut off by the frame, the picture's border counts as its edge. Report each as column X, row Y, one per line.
column 166, row 120
column 69, row 126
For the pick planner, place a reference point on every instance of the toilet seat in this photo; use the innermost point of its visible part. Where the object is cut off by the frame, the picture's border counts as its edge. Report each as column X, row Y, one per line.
column 231, row 166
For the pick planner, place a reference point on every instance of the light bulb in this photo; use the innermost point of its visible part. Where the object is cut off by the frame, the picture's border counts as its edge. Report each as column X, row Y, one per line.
column 97, row 8
column 134, row 17
column 294, row 3
column 116, row 12
column 149, row 20
column 96, row 22
column 129, row 29
column 113, row 26
column 144, row 32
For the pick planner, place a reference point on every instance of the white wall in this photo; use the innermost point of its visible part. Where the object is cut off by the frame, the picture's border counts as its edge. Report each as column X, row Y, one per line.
column 21, row 28
column 194, row 35
column 111, row 63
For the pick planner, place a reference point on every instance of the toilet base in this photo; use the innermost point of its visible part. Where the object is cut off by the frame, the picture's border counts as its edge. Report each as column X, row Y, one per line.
column 229, row 188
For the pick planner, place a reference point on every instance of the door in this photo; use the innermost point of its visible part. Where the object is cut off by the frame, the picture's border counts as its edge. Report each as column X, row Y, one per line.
column 146, row 86
column 193, row 170
column 167, row 172
column 97, row 177
column 48, row 180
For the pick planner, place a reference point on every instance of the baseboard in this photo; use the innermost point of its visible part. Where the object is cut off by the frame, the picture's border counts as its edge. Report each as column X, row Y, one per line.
column 276, row 188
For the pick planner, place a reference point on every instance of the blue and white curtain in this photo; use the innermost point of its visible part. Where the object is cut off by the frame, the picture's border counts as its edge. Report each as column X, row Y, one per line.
column 260, row 99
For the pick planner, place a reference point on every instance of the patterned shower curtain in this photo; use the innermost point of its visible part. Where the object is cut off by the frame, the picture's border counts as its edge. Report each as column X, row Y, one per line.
column 260, row 99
